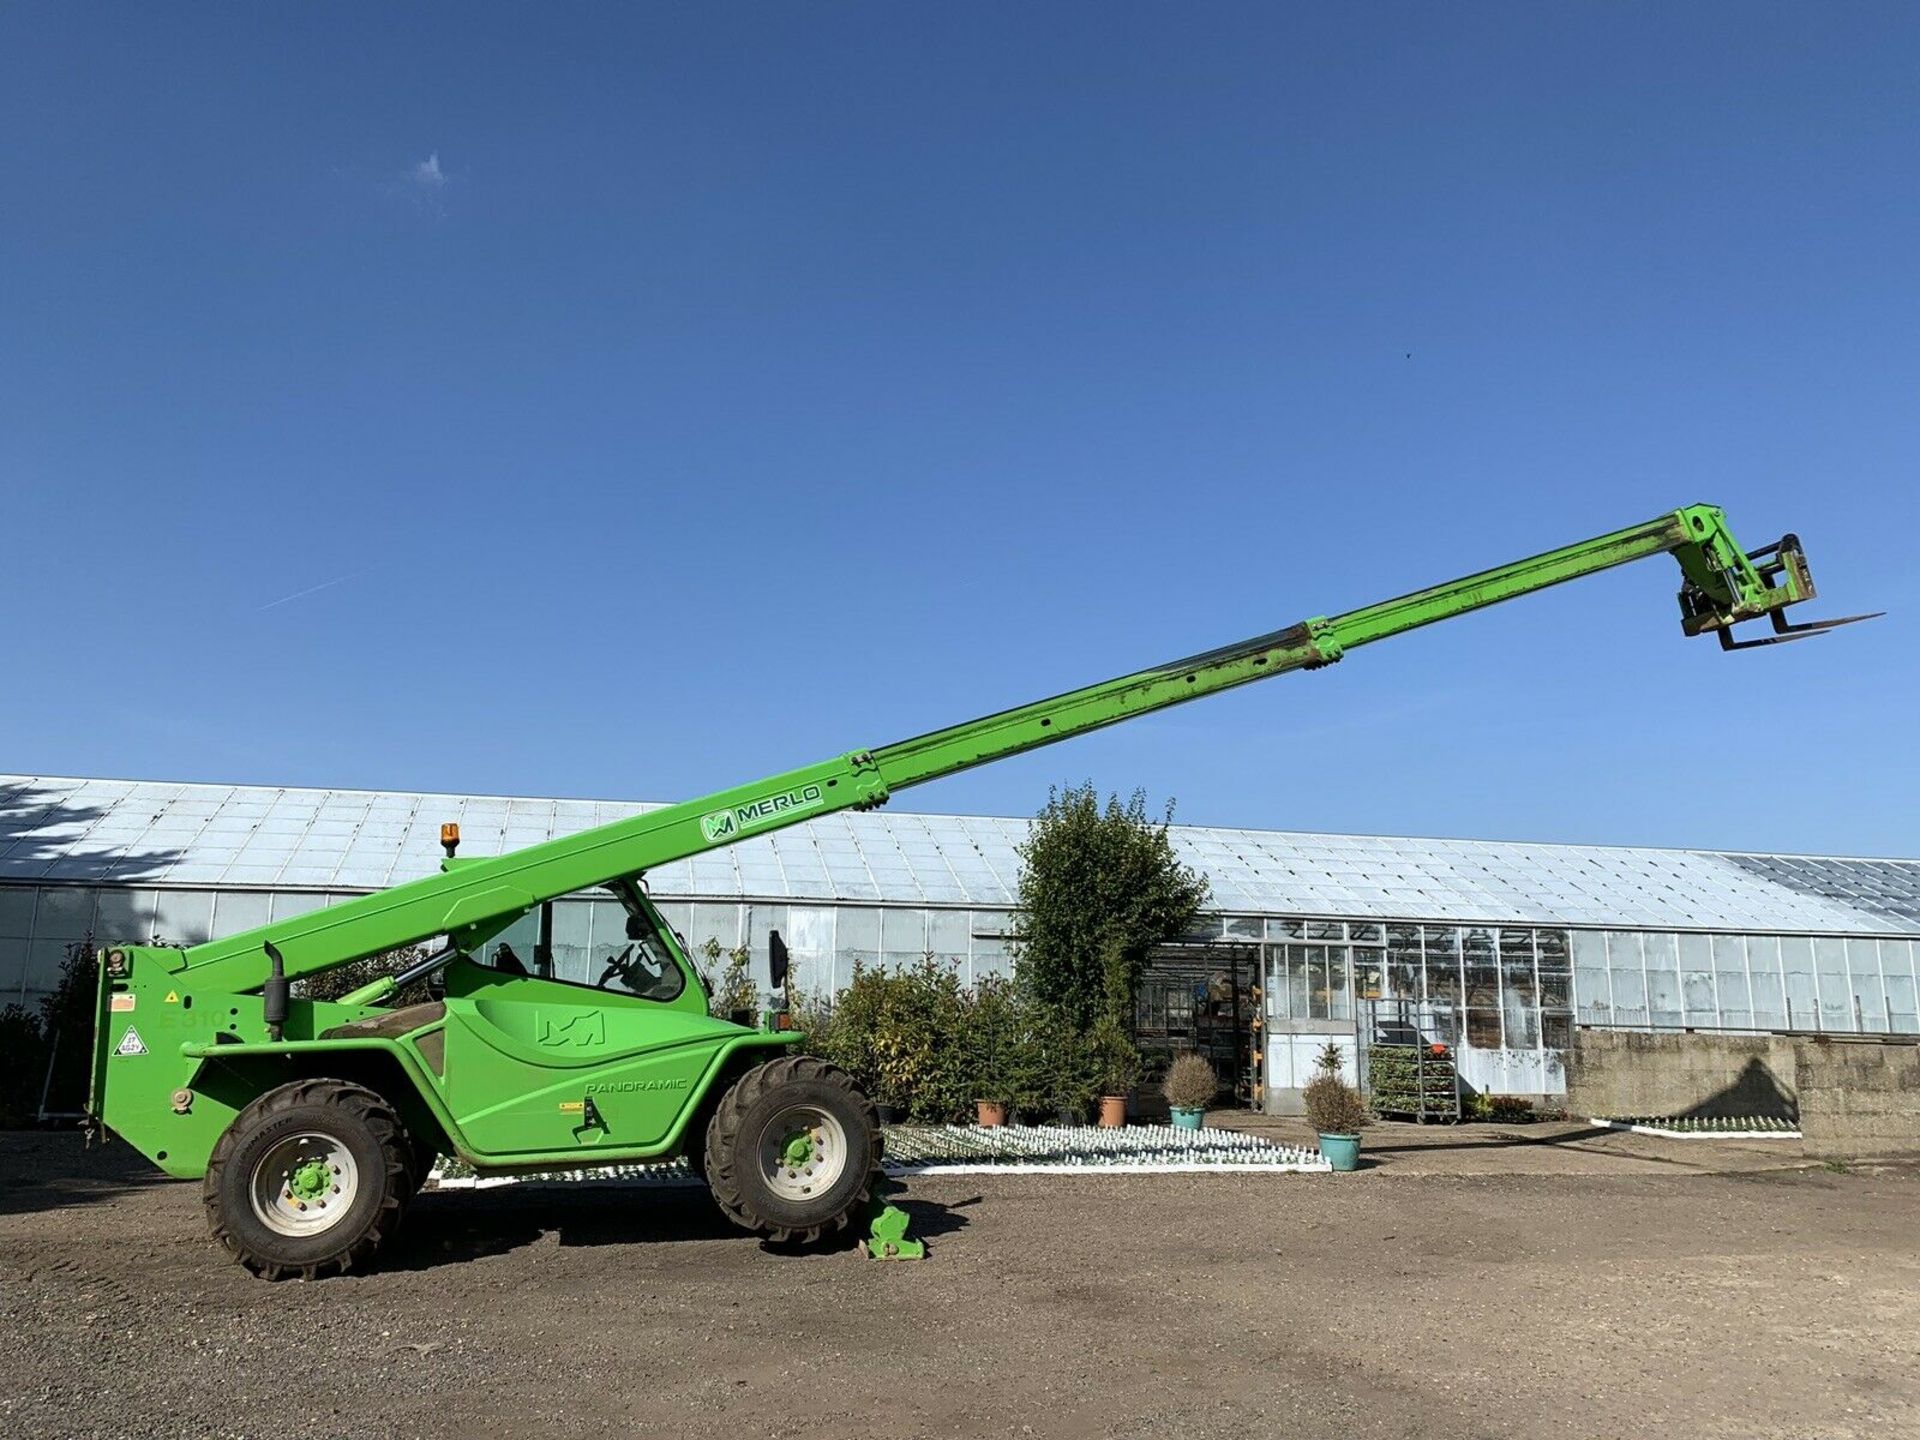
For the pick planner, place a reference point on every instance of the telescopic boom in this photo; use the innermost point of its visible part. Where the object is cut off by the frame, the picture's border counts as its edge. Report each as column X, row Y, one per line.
column 1722, row 586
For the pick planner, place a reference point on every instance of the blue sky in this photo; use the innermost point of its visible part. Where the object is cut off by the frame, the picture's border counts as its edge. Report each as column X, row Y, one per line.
column 626, row 401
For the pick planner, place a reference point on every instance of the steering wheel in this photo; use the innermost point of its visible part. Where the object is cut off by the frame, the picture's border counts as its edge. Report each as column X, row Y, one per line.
column 617, row 966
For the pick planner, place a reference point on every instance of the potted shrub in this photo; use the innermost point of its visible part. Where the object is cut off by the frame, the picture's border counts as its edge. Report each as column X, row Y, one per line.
column 1116, row 1065
column 1055, row 1074
column 994, row 1040
column 1190, row 1086
column 1336, row 1112
column 1072, row 1088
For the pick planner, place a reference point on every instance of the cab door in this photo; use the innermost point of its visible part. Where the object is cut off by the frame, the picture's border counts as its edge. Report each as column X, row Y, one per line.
column 604, row 1052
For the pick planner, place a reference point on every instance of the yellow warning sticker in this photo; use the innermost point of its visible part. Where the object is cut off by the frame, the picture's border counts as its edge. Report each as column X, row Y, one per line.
column 569, row 1106
column 173, row 998
column 121, row 1003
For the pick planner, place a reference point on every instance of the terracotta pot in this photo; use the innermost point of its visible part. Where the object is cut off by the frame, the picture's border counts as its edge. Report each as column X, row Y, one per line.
column 991, row 1112
column 1113, row 1111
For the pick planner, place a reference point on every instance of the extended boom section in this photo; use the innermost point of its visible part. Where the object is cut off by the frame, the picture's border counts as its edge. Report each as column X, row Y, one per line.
column 204, row 1056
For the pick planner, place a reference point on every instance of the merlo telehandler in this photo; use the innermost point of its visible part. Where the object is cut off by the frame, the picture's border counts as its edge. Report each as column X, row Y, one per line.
column 311, row 1123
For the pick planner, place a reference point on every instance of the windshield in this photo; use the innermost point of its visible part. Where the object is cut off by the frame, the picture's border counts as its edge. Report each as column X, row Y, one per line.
column 643, row 966
column 608, row 939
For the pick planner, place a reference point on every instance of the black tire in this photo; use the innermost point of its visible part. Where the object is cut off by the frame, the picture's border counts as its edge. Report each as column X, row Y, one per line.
column 747, row 1117
column 359, row 1129
column 422, row 1155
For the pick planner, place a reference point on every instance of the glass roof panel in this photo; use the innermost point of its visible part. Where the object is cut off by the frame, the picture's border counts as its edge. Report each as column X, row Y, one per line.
column 352, row 840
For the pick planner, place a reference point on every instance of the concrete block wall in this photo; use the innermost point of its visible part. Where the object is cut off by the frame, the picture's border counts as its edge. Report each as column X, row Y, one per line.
column 1625, row 1072
column 1858, row 1098
column 1852, row 1096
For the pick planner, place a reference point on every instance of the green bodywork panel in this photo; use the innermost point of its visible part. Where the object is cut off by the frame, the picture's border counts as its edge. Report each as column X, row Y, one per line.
column 518, row 1073
column 523, row 1071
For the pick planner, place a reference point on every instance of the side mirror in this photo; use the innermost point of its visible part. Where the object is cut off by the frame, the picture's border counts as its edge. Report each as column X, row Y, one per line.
column 777, row 960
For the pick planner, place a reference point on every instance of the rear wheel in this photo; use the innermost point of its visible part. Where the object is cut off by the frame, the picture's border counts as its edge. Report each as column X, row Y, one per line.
column 309, row 1179
column 793, row 1151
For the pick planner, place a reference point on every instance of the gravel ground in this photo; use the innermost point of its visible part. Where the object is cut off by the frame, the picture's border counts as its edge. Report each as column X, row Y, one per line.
column 1589, row 1286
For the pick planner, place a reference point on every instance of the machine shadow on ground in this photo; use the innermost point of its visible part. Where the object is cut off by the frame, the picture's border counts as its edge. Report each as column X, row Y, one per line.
column 54, row 1170
column 450, row 1227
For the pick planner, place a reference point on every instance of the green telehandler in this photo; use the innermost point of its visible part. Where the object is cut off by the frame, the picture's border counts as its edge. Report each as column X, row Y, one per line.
column 311, row 1123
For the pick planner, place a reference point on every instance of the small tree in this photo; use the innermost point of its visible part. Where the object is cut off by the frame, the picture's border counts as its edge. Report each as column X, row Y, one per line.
column 730, row 987
column 1100, row 887
column 66, row 1026
column 1333, row 1106
column 996, row 1041
column 1114, row 1062
column 343, row 980
column 23, row 1065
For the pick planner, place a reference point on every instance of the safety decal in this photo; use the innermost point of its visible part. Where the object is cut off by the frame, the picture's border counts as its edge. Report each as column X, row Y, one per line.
column 130, row 1043
column 173, row 998
column 120, row 1004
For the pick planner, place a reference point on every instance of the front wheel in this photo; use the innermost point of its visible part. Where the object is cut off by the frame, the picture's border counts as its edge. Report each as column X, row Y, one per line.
column 309, row 1179
column 793, row 1150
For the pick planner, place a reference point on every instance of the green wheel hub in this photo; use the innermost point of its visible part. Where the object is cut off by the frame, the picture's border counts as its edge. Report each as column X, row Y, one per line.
column 798, row 1150
column 311, row 1180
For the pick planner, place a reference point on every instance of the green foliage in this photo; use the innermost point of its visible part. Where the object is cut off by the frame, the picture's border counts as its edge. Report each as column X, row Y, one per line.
column 66, row 1020
column 23, row 1065
column 816, row 1018
column 1058, row 1076
column 996, row 1041
column 919, row 1039
column 60, row 1034
column 1114, row 1062
column 1100, row 887
column 1190, row 1083
column 345, row 979
column 900, row 1034
column 1333, row 1106
column 730, row 987
column 1510, row 1109
column 1413, row 1080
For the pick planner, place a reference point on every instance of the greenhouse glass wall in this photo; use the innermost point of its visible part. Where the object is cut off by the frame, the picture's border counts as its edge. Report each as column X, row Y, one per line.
column 1502, row 949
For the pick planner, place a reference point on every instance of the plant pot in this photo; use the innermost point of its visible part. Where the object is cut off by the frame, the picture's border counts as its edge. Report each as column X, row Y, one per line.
column 990, row 1112
column 1342, row 1151
column 1188, row 1117
column 892, row 1114
column 1113, row 1111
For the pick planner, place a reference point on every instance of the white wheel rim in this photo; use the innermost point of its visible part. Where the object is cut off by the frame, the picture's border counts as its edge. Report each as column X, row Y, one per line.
column 304, row 1184
column 803, row 1152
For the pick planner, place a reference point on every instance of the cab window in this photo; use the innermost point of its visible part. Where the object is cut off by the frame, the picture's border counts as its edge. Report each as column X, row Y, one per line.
column 594, row 943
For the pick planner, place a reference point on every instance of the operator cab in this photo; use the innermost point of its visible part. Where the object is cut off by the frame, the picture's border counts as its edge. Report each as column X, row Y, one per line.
column 612, row 938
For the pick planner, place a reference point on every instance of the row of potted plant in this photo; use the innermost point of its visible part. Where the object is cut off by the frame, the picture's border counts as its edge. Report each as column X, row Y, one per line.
column 929, row 1048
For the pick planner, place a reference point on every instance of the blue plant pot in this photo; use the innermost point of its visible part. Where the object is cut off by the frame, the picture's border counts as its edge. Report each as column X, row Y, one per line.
column 1342, row 1151
column 1185, row 1119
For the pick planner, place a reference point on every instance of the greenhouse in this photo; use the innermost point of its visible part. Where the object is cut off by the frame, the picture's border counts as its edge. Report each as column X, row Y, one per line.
column 1499, row 948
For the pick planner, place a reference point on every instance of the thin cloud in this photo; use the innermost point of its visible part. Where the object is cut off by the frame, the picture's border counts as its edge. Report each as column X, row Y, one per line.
column 428, row 175
column 313, row 589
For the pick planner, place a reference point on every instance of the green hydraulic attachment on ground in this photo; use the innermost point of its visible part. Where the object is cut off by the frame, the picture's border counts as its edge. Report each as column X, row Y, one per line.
column 207, row 1062
column 887, row 1237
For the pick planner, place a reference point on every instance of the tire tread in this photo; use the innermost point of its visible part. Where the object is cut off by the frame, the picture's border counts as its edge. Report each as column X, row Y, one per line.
column 723, row 1147
column 370, row 1108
